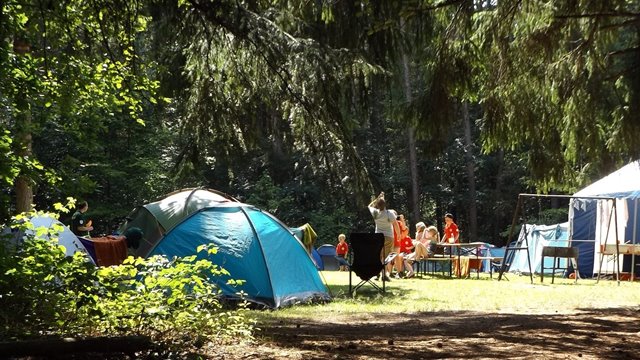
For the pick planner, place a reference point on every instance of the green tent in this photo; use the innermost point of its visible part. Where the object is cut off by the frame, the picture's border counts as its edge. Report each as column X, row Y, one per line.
column 157, row 218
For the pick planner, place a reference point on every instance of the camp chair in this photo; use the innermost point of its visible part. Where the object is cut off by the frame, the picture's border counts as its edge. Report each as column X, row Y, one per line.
column 366, row 248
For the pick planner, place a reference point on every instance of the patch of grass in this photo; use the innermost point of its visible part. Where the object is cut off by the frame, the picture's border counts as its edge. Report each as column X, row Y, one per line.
column 435, row 293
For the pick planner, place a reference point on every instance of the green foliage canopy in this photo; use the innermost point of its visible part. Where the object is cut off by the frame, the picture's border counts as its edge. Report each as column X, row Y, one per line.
column 561, row 81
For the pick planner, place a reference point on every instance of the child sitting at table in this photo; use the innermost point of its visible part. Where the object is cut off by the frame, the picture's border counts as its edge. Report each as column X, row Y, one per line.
column 420, row 243
column 401, row 261
column 431, row 239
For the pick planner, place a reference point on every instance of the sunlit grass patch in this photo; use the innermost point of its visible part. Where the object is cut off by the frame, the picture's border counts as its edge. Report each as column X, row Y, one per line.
column 437, row 293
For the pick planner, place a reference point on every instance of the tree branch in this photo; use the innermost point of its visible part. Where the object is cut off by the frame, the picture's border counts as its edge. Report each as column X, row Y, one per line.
column 598, row 15
column 623, row 51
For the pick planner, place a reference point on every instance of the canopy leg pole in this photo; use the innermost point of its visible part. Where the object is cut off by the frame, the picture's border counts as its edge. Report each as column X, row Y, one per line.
column 617, row 261
column 635, row 240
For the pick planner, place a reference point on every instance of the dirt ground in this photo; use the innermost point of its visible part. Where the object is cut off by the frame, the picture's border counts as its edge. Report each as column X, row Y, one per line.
column 586, row 334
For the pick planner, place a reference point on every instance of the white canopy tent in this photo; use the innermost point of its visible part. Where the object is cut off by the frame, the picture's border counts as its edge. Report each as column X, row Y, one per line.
column 594, row 222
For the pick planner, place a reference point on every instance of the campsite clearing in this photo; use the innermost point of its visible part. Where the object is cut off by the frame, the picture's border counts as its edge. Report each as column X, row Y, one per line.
column 437, row 317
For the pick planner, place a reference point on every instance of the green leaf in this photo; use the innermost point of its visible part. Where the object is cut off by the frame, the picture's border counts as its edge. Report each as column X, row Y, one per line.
column 22, row 18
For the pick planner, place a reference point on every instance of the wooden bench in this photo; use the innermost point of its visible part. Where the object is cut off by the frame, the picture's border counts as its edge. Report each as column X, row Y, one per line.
column 423, row 263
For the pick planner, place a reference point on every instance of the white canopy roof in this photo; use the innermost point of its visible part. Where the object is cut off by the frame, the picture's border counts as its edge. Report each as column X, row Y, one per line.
column 623, row 183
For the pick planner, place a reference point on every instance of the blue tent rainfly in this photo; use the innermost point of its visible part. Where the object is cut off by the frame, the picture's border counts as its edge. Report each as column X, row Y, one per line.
column 253, row 246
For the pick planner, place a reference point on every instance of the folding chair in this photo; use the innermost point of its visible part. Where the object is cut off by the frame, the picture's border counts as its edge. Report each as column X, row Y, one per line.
column 366, row 249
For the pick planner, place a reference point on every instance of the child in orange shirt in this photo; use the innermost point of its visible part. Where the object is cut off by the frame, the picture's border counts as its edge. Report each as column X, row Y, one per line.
column 405, row 245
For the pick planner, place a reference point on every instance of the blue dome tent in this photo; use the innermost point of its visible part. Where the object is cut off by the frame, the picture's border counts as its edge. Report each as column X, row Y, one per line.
column 253, row 246
column 328, row 254
column 317, row 259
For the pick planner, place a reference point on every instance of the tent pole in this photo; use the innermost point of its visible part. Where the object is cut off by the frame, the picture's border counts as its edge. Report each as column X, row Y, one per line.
column 570, row 236
column 526, row 237
column 615, row 211
column 186, row 202
column 604, row 246
column 635, row 240
column 276, row 300
column 513, row 225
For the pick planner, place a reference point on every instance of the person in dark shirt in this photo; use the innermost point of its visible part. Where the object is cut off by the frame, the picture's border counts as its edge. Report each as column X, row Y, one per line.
column 133, row 236
column 79, row 223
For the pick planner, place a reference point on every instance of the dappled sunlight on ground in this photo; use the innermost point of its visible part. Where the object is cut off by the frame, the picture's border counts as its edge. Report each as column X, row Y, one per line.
column 587, row 334
column 439, row 317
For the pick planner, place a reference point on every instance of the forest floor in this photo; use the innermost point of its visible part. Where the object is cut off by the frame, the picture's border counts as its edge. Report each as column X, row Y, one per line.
column 612, row 333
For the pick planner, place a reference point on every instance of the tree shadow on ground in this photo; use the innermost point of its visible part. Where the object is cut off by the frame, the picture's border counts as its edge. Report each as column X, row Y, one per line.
column 590, row 333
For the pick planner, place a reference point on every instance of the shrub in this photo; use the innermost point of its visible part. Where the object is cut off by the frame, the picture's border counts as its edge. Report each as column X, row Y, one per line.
column 43, row 292
column 174, row 302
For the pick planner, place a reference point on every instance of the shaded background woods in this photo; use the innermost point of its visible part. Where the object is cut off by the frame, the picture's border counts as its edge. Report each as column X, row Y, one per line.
column 307, row 109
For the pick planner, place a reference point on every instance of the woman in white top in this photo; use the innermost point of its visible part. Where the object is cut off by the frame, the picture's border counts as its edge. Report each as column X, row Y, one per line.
column 386, row 224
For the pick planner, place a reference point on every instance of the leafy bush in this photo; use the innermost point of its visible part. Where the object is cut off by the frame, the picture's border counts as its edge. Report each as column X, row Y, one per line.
column 43, row 292
column 173, row 302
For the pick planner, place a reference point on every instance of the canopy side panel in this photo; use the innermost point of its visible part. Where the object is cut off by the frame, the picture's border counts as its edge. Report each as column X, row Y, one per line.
column 583, row 214
column 539, row 236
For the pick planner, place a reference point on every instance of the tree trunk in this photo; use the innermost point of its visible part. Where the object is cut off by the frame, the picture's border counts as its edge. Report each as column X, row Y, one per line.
column 497, row 197
column 23, row 140
column 65, row 347
column 473, row 210
column 24, row 194
column 412, row 162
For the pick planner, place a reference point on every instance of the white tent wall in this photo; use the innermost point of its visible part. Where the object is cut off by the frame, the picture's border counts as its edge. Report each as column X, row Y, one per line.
column 610, row 227
column 55, row 229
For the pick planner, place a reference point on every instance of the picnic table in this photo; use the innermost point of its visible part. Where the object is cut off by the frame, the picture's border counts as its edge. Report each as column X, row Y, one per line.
column 463, row 257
